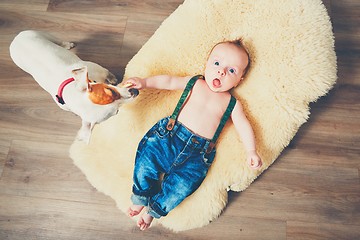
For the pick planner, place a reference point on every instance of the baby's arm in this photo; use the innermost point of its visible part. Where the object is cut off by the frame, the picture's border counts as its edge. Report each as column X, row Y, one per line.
column 246, row 134
column 159, row 82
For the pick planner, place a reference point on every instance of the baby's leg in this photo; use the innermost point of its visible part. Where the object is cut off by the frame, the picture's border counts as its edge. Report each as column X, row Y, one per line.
column 178, row 185
column 146, row 177
column 144, row 221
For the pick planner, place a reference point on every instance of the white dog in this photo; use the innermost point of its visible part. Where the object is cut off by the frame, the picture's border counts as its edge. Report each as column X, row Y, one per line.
column 78, row 86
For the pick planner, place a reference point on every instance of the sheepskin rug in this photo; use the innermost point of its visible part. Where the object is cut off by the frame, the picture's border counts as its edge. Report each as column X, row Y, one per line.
column 293, row 63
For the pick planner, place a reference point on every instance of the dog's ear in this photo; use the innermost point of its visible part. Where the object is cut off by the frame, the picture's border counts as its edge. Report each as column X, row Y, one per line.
column 81, row 79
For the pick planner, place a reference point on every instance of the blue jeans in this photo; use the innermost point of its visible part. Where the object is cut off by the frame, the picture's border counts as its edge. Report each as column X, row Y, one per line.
column 180, row 155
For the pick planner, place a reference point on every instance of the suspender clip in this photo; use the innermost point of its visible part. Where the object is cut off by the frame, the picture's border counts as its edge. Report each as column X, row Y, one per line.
column 210, row 147
column 170, row 124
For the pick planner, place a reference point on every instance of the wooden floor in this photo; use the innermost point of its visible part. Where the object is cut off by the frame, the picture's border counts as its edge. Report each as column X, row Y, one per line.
column 311, row 192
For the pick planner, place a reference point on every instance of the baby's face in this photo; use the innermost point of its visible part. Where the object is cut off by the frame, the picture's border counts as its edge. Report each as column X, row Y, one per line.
column 225, row 67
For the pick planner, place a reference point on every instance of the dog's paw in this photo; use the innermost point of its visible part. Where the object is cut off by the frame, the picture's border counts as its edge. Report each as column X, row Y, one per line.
column 68, row 45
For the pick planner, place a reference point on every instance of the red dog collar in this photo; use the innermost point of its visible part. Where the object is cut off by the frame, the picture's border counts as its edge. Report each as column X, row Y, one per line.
column 61, row 89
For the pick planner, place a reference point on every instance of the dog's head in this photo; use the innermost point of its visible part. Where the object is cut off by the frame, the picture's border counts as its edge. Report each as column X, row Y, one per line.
column 105, row 100
column 102, row 93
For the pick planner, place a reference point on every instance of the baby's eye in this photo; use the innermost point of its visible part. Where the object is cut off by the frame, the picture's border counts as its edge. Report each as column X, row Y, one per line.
column 231, row 70
column 216, row 63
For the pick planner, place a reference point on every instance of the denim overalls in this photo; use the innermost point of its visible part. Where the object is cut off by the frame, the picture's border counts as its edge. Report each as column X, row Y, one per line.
column 183, row 157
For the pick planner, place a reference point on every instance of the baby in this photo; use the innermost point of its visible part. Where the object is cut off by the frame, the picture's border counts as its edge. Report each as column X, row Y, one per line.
column 182, row 146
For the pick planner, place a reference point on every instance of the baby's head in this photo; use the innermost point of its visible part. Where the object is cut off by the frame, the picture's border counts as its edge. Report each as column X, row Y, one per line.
column 226, row 66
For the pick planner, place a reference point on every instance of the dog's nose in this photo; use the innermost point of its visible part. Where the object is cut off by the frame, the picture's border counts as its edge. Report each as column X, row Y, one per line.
column 134, row 92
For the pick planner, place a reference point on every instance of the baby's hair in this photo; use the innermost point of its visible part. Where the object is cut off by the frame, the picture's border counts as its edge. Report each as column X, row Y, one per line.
column 238, row 42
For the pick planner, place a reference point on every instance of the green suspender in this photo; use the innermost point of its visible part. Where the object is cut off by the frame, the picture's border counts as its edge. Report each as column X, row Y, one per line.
column 183, row 97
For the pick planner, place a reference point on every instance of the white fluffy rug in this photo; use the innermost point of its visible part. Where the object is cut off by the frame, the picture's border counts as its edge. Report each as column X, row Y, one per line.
column 293, row 63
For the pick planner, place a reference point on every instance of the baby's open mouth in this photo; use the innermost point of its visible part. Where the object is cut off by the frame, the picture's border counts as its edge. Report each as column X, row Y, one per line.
column 216, row 83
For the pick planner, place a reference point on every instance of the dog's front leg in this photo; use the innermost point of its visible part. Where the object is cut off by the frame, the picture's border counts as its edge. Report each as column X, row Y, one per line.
column 84, row 133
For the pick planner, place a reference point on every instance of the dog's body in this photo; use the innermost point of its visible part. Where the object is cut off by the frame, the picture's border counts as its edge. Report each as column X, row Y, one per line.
column 86, row 93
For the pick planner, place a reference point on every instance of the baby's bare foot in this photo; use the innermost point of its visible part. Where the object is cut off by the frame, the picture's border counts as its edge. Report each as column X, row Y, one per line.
column 144, row 221
column 134, row 210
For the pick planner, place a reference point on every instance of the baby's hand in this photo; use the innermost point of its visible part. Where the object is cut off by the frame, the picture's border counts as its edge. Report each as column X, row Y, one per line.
column 254, row 160
column 134, row 82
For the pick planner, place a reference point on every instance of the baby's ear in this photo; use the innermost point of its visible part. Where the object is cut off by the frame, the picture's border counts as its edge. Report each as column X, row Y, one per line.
column 81, row 79
column 237, row 84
